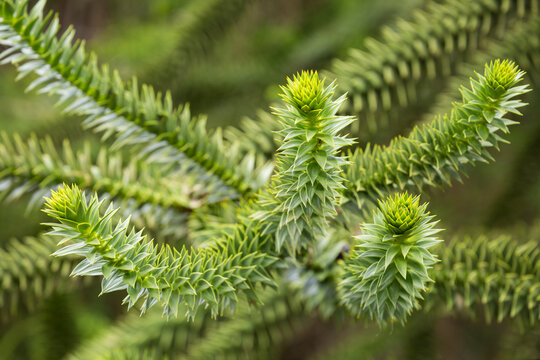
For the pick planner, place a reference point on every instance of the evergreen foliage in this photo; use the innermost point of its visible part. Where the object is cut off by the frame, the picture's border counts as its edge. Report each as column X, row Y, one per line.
column 501, row 274
column 308, row 182
column 29, row 274
column 378, row 280
column 108, row 103
column 435, row 153
column 384, row 79
column 34, row 164
column 129, row 261
column 151, row 335
column 387, row 272
column 264, row 230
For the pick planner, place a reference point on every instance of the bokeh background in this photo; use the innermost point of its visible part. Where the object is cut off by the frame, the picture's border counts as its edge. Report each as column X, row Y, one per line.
column 229, row 67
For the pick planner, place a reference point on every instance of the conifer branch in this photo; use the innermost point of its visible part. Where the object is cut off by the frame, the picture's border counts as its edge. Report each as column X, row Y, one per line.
column 252, row 333
column 176, row 279
column 435, row 153
column 386, row 78
column 295, row 233
column 307, row 186
column 522, row 45
column 137, row 116
column 152, row 334
column 36, row 164
column 501, row 274
column 28, row 274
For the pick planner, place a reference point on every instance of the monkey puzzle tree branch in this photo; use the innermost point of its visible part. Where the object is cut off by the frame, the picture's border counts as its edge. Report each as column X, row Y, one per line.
column 387, row 272
column 26, row 166
column 307, row 186
column 138, row 116
column 435, row 153
column 386, row 78
column 501, row 274
column 176, row 279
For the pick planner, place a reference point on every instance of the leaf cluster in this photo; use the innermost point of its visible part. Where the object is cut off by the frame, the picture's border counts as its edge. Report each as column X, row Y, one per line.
column 387, row 272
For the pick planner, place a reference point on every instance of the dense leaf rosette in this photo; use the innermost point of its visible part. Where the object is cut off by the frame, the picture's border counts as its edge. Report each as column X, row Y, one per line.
column 387, row 272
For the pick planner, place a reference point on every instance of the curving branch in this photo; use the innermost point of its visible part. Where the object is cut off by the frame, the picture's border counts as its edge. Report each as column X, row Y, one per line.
column 138, row 116
column 390, row 75
column 152, row 334
column 35, row 165
column 435, row 153
column 28, row 274
column 176, row 279
column 500, row 274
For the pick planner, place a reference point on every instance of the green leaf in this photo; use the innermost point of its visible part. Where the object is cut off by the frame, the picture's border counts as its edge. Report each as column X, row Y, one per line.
column 313, row 172
column 150, row 283
column 321, row 157
column 401, row 266
column 130, row 278
column 310, row 133
column 390, row 254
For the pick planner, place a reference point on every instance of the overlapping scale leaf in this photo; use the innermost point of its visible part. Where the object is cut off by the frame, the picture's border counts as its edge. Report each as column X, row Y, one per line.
column 306, row 92
column 308, row 182
column 401, row 213
column 386, row 274
column 176, row 279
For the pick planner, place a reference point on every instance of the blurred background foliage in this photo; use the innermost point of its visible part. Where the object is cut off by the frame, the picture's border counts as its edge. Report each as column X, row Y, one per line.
column 227, row 58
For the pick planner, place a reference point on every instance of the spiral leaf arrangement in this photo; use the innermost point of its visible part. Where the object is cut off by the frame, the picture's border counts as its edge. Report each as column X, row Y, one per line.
column 174, row 279
column 308, row 183
column 387, row 271
column 293, row 232
column 385, row 275
column 437, row 152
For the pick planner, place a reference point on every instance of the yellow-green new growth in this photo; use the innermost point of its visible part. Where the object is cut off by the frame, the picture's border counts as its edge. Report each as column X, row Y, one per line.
column 502, row 74
column 306, row 92
column 402, row 212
